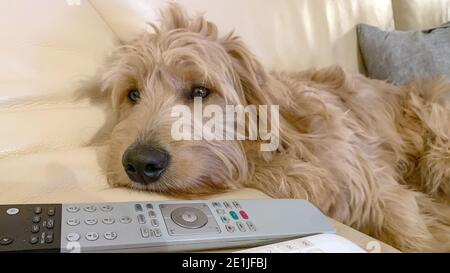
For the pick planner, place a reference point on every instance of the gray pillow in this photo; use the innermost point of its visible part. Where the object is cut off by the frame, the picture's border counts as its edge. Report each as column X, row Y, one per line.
column 400, row 57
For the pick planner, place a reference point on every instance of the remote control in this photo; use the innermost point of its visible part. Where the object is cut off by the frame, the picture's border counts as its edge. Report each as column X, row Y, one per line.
column 167, row 226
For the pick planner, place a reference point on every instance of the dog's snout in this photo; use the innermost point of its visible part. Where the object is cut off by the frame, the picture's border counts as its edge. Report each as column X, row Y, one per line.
column 145, row 165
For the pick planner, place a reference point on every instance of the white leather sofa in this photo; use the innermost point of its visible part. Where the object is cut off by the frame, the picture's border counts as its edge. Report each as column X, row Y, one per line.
column 50, row 149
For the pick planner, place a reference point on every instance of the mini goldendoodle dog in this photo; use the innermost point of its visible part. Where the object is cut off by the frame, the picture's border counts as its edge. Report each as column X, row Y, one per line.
column 369, row 154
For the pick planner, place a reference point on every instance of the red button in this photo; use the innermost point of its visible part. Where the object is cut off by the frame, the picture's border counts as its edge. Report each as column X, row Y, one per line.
column 243, row 214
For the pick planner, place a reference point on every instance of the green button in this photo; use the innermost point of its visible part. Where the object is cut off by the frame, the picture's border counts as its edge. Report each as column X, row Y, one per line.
column 234, row 215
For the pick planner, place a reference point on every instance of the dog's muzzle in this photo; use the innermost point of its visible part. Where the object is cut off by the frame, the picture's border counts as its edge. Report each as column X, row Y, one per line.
column 145, row 164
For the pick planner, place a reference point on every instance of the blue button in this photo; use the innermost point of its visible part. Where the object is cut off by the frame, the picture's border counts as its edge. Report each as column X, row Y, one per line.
column 234, row 215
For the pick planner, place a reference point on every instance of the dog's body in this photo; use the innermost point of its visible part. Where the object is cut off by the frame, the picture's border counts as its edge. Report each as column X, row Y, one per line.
column 369, row 154
column 359, row 150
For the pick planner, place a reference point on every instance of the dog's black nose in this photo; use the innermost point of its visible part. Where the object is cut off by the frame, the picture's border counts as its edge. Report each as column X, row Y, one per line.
column 145, row 165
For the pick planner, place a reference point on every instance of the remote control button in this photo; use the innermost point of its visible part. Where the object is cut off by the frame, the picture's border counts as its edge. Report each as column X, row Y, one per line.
column 220, row 211
column 251, row 226
column 125, row 220
column 234, row 215
column 227, row 205
column 154, row 223
column 35, row 228
column 237, row 205
column 50, row 223
column 217, row 205
column 36, row 219
column 190, row 218
column 241, row 226
column 145, row 232
column 90, row 209
column 73, row 209
column 49, row 238
column 138, row 207
column 73, row 237
column 157, row 232
column 244, row 214
column 230, row 228
column 149, row 206
column 225, row 219
column 106, row 208
column 4, row 241
column 34, row 240
column 151, row 214
column 110, row 235
column 51, row 212
column 12, row 211
column 73, row 222
column 37, row 210
column 91, row 221
column 141, row 218
column 108, row 221
column 92, row 236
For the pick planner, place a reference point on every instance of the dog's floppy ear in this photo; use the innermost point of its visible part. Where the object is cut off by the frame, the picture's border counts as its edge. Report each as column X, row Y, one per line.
column 250, row 72
column 176, row 17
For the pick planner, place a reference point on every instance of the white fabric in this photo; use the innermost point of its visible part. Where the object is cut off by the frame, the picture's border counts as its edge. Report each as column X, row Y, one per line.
column 288, row 34
column 420, row 14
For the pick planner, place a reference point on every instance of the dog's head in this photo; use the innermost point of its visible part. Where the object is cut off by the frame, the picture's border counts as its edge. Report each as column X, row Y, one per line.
column 180, row 62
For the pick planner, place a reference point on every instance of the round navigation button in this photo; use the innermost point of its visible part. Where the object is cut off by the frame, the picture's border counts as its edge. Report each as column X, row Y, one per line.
column 12, row 211
column 191, row 218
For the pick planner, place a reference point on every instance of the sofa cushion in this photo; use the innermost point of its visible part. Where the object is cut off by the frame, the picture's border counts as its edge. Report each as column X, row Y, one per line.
column 48, row 48
column 46, row 126
column 400, row 57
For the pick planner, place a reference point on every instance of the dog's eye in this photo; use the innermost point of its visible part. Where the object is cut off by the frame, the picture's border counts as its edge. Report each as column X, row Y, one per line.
column 199, row 92
column 134, row 95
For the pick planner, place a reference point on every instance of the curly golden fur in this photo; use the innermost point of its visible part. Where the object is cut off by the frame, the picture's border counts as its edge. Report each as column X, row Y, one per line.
column 369, row 154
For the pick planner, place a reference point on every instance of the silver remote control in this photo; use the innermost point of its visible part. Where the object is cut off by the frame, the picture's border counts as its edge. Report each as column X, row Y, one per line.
column 172, row 226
